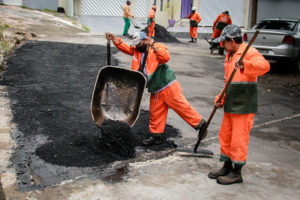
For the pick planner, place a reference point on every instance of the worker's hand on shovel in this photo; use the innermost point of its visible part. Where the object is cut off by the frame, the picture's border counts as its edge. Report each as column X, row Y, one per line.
column 221, row 103
column 150, row 43
column 239, row 66
column 110, row 36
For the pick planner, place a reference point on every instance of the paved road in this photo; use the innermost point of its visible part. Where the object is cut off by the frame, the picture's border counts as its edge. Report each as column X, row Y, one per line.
column 271, row 172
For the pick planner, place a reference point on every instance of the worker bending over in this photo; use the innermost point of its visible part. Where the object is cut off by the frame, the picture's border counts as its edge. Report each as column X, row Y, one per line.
column 162, row 84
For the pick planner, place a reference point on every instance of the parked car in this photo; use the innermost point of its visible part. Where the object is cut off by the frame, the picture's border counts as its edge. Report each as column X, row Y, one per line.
column 279, row 39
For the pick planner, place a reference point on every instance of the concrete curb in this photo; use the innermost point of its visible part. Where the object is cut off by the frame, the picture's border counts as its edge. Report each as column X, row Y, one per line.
column 7, row 144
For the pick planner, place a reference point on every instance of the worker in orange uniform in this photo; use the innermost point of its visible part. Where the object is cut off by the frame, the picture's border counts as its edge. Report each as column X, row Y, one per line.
column 222, row 20
column 240, row 104
column 127, row 15
column 162, row 84
column 151, row 22
column 195, row 19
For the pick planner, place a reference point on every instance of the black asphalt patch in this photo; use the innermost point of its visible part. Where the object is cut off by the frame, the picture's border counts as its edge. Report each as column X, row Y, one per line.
column 162, row 34
column 50, row 87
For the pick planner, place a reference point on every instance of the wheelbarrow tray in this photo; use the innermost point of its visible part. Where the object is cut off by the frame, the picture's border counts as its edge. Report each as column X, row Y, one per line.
column 117, row 95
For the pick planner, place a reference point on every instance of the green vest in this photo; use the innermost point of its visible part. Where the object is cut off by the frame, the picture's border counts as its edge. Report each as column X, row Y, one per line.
column 162, row 76
column 241, row 98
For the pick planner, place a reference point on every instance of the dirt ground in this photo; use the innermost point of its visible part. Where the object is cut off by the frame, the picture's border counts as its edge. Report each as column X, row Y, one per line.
column 43, row 100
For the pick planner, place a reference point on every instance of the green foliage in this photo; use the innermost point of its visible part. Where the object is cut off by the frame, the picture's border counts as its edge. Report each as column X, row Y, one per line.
column 85, row 28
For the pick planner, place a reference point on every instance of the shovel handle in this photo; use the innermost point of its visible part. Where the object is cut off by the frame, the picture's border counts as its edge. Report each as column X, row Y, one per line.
column 226, row 88
column 144, row 60
column 108, row 53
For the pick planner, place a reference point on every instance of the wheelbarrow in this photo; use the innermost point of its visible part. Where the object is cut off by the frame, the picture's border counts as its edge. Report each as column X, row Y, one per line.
column 117, row 94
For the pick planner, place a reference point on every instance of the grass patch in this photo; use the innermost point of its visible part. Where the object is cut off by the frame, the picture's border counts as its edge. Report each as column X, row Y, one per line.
column 49, row 11
column 85, row 28
column 3, row 26
column 5, row 45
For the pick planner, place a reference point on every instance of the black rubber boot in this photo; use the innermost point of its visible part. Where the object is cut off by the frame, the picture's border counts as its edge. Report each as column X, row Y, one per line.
column 234, row 176
column 192, row 40
column 153, row 140
column 225, row 170
column 195, row 40
column 202, row 132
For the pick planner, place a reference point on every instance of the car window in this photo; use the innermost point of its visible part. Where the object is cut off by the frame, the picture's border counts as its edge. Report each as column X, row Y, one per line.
column 277, row 25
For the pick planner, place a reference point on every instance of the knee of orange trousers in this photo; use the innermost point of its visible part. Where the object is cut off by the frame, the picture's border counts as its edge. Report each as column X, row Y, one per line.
column 158, row 115
column 216, row 33
column 151, row 32
column 193, row 32
column 241, row 127
column 177, row 102
column 225, row 134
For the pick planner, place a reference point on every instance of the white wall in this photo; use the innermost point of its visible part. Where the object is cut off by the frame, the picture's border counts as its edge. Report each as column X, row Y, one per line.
column 13, row 2
column 277, row 8
column 41, row 4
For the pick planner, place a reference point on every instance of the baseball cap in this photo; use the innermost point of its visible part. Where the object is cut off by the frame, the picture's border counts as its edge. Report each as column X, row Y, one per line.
column 194, row 8
column 230, row 31
column 137, row 37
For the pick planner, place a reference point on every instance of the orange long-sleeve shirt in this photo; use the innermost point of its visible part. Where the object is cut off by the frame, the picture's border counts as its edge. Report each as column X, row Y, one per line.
column 195, row 17
column 127, row 12
column 153, row 60
column 222, row 18
column 241, row 97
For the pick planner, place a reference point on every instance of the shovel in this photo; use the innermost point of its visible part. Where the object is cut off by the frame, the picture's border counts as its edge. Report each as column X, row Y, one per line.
column 225, row 89
column 117, row 94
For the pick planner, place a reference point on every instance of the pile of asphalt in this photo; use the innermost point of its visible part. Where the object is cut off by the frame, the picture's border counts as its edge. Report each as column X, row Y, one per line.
column 50, row 87
column 162, row 35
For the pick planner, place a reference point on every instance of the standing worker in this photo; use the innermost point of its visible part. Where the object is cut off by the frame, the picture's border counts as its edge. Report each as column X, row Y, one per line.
column 151, row 22
column 240, row 104
column 222, row 20
column 127, row 16
column 195, row 18
column 162, row 84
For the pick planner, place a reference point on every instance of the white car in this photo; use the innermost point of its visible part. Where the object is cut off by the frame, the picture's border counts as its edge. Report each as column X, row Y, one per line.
column 279, row 39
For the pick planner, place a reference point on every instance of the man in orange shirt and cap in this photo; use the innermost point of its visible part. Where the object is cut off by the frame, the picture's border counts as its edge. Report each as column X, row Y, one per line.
column 151, row 22
column 162, row 84
column 240, row 104
column 195, row 18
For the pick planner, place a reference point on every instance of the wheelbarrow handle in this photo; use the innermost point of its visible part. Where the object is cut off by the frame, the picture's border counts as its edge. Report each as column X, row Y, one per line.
column 144, row 60
column 108, row 53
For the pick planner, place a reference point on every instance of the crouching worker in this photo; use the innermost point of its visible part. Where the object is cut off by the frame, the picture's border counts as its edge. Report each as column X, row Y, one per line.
column 240, row 104
column 162, row 84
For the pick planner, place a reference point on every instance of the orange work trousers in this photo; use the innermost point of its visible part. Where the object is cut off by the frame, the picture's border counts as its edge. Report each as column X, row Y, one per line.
column 234, row 137
column 216, row 34
column 151, row 30
column 171, row 97
column 194, row 32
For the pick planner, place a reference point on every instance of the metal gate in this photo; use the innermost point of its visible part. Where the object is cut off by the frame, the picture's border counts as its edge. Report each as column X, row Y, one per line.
column 210, row 9
column 102, row 7
column 113, row 7
column 141, row 8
